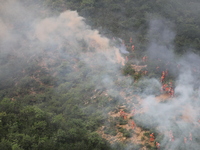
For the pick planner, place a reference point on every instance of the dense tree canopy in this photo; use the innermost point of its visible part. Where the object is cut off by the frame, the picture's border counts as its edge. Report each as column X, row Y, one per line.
column 60, row 106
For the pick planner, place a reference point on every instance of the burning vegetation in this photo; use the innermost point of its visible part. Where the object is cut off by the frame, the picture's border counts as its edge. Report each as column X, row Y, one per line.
column 131, row 84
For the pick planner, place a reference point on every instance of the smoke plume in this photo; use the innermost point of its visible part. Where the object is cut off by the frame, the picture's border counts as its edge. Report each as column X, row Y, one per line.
column 177, row 118
column 24, row 35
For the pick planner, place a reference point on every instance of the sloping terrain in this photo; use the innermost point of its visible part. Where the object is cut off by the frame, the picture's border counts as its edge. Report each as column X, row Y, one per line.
column 125, row 76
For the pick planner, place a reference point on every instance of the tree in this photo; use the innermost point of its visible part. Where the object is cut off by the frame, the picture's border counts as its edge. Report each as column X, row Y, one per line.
column 5, row 145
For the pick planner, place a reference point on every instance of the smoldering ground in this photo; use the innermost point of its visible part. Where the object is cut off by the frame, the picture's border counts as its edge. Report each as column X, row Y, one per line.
column 178, row 117
column 25, row 36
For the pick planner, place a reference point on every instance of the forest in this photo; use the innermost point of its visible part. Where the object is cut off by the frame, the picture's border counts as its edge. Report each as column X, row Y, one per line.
column 99, row 75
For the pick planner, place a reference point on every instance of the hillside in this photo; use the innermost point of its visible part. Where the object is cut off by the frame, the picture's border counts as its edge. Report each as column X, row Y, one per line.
column 99, row 75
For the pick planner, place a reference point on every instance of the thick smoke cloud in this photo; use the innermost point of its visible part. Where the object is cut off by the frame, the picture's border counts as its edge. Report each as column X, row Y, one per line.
column 27, row 37
column 3, row 30
column 24, row 35
column 69, row 31
column 161, row 37
column 177, row 117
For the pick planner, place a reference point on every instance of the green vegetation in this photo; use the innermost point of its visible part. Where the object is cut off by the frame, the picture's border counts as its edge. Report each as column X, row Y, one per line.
column 112, row 131
column 125, row 132
column 128, row 70
column 129, row 18
column 61, row 105
column 39, row 111
column 147, row 135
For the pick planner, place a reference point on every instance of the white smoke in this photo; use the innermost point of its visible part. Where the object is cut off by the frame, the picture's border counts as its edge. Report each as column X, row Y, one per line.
column 26, row 35
column 69, row 28
column 179, row 114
